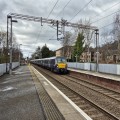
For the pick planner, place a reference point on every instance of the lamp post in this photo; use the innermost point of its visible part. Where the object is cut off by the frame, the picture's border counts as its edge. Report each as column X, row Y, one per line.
column 97, row 51
column 10, row 66
column 7, row 52
column 19, row 54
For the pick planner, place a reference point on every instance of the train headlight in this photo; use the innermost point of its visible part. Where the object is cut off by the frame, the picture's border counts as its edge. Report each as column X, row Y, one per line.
column 56, row 65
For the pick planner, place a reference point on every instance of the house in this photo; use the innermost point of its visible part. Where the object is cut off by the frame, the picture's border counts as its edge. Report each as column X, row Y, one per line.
column 90, row 56
column 65, row 51
column 85, row 57
column 113, row 56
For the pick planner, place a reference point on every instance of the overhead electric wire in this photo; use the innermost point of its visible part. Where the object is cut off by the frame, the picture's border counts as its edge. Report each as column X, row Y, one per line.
column 102, row 12
column 63, row 8
column 47, row 18
column 52, row 9
column 80, row 10
column 106, row 25
column 105, row 10
column 104, row 17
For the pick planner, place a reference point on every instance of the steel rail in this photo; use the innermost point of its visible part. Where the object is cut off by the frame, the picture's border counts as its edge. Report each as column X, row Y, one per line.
column 78, row 82
column 67, row 87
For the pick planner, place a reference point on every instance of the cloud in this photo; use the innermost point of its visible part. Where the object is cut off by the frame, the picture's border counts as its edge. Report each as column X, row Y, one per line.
column 27, row 32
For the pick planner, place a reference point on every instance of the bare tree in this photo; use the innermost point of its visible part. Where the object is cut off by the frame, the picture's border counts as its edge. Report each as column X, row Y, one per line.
column 116, row 32
column 67, row 43
column 2, row 38
column 67, row 39
column 88, row 33
column 105, row 37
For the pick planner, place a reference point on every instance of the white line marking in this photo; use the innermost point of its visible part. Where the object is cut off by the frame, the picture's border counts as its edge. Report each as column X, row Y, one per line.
column 45, row 83
column 84, row 115
column 8, row 88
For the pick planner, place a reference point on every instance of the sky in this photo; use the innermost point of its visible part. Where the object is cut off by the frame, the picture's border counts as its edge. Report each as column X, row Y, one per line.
column 32, row 34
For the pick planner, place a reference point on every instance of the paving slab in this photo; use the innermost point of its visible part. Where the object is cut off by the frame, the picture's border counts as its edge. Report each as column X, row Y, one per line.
column 68, row 109
column 18, row 97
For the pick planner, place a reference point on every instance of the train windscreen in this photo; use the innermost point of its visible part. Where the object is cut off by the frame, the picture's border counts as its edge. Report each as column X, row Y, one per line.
column 61, row 60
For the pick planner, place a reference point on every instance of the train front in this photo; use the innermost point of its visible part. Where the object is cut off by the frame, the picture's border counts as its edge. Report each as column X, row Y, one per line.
column 61, row 65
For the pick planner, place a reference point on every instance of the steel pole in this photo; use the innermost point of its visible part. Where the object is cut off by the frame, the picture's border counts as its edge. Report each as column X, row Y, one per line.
column 10, row 66
column 97, row 54
column 7, row 47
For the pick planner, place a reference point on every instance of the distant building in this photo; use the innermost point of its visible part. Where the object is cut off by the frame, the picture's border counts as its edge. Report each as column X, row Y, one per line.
column 85, row 57
column 113, row 57
column 104, row 56
column 90, row 56
column 65, row 51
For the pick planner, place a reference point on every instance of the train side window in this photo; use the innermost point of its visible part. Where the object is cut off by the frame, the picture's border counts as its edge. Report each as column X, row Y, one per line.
column 52, row 61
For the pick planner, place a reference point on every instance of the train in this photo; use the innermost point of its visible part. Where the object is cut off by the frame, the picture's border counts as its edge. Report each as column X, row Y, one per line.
column 55, row 64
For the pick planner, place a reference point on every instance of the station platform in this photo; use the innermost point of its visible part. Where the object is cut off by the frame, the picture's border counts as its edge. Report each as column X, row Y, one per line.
column 107, row 80
column 28, row 95
column 98, row 74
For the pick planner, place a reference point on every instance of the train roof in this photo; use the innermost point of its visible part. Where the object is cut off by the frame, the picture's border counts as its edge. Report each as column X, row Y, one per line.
column 47, row 58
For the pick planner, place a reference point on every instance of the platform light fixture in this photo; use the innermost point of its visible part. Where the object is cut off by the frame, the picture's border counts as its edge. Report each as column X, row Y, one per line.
column 10, row 66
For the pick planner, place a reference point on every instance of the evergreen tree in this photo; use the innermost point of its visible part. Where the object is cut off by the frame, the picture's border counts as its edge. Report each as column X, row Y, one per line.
column 78, row 48
column 52, row 53
column 45, row 51
column 38, row 53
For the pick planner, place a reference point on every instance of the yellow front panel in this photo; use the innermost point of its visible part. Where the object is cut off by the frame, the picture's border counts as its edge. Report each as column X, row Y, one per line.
column 61, row 65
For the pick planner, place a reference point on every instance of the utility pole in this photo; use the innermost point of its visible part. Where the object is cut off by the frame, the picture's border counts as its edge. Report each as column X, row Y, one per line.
column 97, row 51
column 7, row 46
column 63, row 31
column 10, row 66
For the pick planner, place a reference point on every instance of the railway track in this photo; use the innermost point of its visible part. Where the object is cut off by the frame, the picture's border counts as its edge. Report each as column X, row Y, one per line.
column 73, row 91
column 105, row 91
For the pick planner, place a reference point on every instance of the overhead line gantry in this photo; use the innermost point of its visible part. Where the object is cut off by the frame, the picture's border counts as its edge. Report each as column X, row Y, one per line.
column 63, row 23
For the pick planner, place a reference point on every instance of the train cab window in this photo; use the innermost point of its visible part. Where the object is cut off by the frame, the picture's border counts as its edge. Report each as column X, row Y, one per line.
column 61, row 60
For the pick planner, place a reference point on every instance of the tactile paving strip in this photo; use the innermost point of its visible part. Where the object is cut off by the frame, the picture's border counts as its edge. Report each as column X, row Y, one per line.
column 50, row 109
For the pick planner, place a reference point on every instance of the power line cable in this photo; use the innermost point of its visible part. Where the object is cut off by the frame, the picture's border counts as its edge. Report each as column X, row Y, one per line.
column 47, row 18
column 61, row 12
column 106, row 10
column 81, row 10
column 52, row 9
column 64, row 8
column 106, row 25
column 104, row 17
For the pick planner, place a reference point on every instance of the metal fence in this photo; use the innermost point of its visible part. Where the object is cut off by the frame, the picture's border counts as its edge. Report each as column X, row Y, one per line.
column 3, row 67
column 104, row 68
